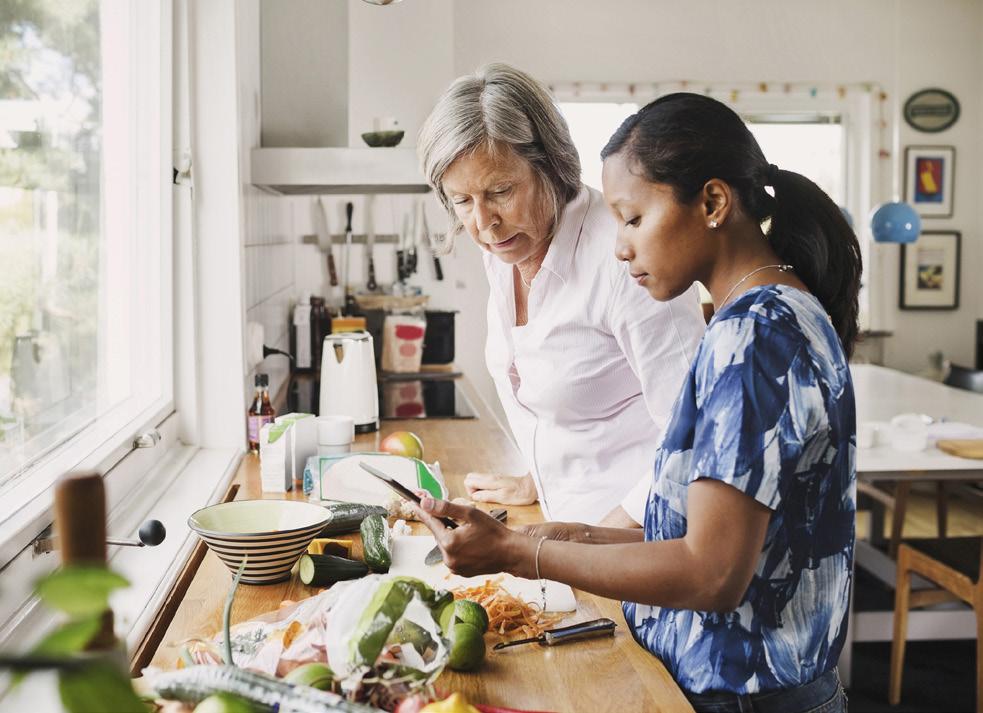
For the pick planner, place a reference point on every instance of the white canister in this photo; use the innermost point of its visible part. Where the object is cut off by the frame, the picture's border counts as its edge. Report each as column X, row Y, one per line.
column 335, row 435
column 909, row 433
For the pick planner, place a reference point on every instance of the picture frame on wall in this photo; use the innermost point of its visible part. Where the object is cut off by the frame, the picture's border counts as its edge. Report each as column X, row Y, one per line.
column 930, row 269
column 929, row 176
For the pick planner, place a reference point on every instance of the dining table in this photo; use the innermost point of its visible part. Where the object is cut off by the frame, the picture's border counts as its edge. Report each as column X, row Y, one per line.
column 605, row 674
column 881, row 394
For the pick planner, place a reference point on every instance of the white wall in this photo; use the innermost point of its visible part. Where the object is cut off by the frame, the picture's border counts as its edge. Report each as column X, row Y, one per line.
column 402, row 56
column 267, row 237
column 304, row 53
column 765, row 40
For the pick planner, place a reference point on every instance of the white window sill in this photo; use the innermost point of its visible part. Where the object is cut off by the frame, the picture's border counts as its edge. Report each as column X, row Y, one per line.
column 187, row 478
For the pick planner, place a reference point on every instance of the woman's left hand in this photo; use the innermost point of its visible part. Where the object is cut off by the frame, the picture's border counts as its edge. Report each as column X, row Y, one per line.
column 478, row 545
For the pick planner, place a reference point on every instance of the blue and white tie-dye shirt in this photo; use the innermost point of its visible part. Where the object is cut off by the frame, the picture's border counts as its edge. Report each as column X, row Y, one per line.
column 767, row 407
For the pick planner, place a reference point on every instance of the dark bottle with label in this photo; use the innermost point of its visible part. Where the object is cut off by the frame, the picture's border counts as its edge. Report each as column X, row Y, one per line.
column 320, row 326
column 261, row 411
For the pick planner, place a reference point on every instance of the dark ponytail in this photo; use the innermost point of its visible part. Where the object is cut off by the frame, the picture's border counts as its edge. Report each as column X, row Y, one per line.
column 684, row 140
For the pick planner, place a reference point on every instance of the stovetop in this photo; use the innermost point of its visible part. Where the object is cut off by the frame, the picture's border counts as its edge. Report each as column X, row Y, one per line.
column 399, row 398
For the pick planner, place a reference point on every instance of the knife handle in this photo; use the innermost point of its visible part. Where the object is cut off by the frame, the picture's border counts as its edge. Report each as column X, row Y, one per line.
column 371, row 284
column 575, row 632
column 349, row 209
column 332, row 272
column 438, row 271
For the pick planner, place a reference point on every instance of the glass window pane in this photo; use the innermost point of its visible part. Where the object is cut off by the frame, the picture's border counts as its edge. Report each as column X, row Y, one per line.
column 813, row 149
column 591, row 125
column 53, row 314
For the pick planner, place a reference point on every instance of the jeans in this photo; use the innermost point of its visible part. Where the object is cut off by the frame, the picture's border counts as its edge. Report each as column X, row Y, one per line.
column 824, row 695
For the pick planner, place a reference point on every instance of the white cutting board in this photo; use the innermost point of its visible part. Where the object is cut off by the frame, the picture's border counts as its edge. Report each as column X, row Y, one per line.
column 409, row 552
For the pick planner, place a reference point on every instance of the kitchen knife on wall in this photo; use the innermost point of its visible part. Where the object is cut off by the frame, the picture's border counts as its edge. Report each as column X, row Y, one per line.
column 401, row 273
column 435, row 556
column 349, row 295
column 438, row 270
column 324, row 241
column 370, row 284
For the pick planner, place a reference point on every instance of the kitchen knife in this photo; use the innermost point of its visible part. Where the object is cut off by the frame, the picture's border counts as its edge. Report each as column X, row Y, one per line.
column 438, row 270
column 402, row 490
column 435, row 556
column 411, row 253
column 324, row 241
column 370, row 284
column 576, row 632
column 401, row 250
column 349, row 295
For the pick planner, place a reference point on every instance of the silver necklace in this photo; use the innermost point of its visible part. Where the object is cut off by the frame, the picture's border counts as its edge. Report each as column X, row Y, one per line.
column 780, row 268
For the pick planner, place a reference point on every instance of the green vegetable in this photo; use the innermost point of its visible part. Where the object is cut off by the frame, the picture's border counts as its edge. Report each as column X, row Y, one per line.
column 377, row 621
column 225, row 703
column 315, row 674
column 467, row 648
column 376, row 543
column 346, row 517
column 192, row 685
column 325, row 570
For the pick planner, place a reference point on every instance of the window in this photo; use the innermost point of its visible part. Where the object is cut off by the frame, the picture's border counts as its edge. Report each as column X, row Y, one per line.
column 825, row 134
column 85, row 243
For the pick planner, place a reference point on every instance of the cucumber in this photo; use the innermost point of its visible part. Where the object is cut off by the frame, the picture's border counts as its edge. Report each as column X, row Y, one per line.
column 346, row 517
column 315, row 674
column 376, row 543
column 195, row 684
column 325, row 570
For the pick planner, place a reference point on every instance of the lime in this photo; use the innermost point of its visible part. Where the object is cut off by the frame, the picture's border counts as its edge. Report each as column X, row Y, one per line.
column 467, row 648
column 472, row 613
column 315, row 674
column 446, row 618
column 225, row 703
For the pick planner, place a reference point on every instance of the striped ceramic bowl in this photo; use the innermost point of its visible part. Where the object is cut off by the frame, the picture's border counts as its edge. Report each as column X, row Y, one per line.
column 271, row 534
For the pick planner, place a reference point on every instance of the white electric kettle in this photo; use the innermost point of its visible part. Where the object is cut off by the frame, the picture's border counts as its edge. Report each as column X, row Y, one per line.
column 348, row 385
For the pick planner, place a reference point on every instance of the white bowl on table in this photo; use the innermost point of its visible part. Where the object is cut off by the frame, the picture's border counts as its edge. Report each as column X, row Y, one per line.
column 271, row 534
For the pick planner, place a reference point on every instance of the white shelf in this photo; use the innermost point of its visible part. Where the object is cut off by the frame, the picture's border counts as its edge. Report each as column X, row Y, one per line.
column 299, row 171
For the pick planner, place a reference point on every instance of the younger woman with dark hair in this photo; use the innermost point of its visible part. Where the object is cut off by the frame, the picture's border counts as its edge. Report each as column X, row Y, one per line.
column 741, row 585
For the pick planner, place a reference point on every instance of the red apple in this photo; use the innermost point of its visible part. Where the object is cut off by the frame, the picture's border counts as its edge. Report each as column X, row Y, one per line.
column 403, row 443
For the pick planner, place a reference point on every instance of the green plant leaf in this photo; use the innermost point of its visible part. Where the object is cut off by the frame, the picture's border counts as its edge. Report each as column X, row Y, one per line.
column 79, row 591
column 100, row 686
column 68, row 639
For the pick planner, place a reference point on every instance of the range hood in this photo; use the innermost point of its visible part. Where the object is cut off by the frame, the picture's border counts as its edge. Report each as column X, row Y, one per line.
column 300, row 171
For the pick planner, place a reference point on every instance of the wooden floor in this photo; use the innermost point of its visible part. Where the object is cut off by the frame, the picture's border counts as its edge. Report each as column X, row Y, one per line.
column 965, row 517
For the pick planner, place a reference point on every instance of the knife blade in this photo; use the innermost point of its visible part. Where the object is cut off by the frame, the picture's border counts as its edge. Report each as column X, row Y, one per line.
column 435, row 556
column 324, row 241
column 575, row 632
column 370, row 284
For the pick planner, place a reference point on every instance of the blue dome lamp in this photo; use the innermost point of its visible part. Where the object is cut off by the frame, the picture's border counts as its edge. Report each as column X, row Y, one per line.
column 895, row 222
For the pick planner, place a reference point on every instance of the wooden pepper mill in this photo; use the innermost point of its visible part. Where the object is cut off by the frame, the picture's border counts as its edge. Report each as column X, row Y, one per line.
column 80, row 520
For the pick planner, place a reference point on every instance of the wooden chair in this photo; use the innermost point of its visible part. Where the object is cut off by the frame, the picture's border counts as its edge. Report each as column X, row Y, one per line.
column 954, row 564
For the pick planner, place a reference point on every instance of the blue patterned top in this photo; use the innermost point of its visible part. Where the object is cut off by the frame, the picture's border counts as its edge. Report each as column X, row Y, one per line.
column 767, row 407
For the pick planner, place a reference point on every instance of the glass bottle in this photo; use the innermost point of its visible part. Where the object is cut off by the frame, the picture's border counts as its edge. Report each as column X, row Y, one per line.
column 261, row 411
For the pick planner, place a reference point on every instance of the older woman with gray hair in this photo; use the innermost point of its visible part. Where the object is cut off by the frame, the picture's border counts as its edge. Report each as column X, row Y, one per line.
column 586, row 364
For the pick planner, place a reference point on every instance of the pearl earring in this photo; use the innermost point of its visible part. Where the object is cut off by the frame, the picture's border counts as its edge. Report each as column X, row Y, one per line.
column 714, row 224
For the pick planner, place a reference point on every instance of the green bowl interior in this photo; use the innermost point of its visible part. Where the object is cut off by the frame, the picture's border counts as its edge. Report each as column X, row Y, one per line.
column 250, row 517
column 383, row 138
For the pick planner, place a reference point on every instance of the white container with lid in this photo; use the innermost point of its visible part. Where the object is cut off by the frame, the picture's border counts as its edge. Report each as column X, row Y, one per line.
column 335, row 434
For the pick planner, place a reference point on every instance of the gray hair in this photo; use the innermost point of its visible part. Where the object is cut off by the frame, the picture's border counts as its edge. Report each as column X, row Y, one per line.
column 499, row 107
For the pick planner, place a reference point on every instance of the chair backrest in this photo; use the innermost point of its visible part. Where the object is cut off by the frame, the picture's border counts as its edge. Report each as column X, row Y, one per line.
column 964, row 378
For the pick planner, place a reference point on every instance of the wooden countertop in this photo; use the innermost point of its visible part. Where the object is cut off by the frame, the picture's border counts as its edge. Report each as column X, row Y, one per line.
column 602, row 675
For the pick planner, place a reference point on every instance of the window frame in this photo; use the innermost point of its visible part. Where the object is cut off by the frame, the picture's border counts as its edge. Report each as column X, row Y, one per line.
column 108, row 442
column 864, row 130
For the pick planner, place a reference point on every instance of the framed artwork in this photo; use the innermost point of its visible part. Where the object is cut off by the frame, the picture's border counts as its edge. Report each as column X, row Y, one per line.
column 930, row 271
column 929, row 172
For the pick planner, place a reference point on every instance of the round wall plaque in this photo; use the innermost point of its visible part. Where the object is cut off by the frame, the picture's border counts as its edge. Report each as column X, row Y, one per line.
column 931, row 110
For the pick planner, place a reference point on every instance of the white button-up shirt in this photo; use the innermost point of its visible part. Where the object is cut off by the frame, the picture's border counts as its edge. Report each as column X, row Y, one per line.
column 589, row 382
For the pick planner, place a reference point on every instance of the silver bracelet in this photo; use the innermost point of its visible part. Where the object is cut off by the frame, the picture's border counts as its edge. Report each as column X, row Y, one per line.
column 542, row 582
